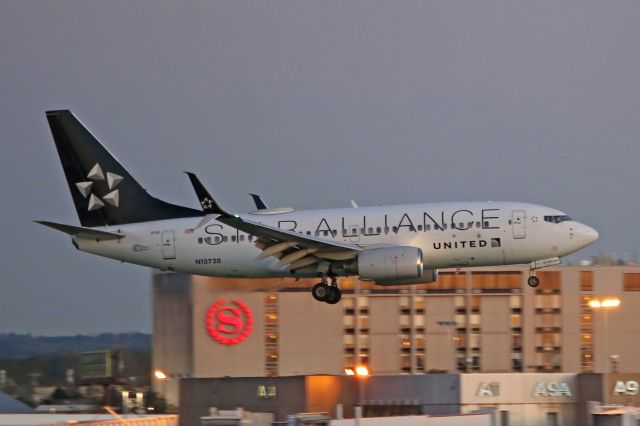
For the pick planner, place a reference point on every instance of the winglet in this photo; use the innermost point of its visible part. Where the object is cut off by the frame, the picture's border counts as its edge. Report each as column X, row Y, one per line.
column 260, row 205
column 209, row 205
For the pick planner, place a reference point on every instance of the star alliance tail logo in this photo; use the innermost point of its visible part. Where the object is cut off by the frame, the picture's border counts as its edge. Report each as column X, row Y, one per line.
column 97, row 202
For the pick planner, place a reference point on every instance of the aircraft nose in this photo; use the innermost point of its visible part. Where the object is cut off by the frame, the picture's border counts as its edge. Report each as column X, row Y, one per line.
column 586, row 234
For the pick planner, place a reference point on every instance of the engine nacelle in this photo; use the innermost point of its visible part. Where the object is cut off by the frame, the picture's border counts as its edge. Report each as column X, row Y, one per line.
column 428, row 276
column 389, row 264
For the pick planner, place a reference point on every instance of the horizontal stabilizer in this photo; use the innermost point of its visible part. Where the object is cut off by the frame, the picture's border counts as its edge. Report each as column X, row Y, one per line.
column 82, row 232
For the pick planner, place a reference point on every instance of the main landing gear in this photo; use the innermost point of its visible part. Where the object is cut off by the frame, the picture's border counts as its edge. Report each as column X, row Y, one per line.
column 324, row 292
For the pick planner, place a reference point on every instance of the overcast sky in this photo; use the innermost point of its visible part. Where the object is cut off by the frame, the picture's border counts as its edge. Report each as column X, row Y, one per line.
column 310, row 104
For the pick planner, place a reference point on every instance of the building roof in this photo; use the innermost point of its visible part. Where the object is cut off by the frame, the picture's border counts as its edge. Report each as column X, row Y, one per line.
column 9, row 404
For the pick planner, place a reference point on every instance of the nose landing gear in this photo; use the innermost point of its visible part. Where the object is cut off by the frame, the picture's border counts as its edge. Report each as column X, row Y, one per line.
column 534, row 281
column 324, row 292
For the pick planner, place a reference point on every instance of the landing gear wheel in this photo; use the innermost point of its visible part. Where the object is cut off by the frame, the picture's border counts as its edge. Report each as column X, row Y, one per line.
column 320, row 292
column 333, row 296
column 533, row 281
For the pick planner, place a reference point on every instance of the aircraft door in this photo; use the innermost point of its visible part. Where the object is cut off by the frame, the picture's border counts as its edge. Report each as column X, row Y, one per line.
column 168, row 245
column 518, row 224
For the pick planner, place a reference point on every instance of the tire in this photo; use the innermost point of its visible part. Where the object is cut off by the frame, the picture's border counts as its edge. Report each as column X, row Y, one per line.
column 533, row 281
column 334, row 295
column 320, row 292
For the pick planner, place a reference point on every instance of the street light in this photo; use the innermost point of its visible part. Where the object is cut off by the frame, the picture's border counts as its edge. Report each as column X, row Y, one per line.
column 160, row 375
column 605, row 305
column 361, row 372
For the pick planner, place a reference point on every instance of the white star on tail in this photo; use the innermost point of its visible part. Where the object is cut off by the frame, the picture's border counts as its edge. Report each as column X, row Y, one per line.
column 95, row 174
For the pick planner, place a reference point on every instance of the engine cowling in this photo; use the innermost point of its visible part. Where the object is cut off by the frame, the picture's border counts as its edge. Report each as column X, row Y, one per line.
column 391, row 264
column 428, row 276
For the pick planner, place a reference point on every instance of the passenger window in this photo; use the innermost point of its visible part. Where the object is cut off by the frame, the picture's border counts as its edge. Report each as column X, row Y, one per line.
column 317, row 234
column 395, row 229
column 478, row 225
column 241, row 237
column 199, row 240
column 427, row 227
column 461, row 225
column 486, row 224
column 371, row 230
column 444, row 226
column 225, row 239
column 217, row 239
column 250, row 238
column 233, row 238
column 378, row 230
column 419, row 227
column 308, row 232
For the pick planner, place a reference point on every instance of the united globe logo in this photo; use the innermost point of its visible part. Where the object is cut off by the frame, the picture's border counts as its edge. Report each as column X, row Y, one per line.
column 229, row 322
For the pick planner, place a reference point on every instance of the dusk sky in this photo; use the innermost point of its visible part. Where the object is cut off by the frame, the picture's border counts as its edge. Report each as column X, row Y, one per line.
column 309, row 104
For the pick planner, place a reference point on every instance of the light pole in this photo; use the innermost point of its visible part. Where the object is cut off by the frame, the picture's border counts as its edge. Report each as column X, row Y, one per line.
column 605, row 305
column 361, row 373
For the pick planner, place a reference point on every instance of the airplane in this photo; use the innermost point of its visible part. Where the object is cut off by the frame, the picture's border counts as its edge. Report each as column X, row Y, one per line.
column 390, row 245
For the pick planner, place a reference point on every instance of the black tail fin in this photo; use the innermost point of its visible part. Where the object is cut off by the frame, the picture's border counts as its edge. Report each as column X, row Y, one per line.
column 103, row 192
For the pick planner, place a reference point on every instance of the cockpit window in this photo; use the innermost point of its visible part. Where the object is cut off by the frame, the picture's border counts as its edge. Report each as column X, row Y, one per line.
column 557, row 219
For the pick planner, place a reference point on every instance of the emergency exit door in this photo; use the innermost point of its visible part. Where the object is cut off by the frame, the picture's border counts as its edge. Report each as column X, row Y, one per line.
column 168, row 245
column 518, row 225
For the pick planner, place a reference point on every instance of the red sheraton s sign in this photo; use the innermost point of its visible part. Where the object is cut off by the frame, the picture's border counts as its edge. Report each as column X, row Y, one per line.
column 229, row 322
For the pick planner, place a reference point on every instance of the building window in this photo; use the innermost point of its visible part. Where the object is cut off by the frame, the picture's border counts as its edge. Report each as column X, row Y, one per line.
column 586, row 335
column 632, row 282
column 586, row 281
column 271, row 335
column 493, row 281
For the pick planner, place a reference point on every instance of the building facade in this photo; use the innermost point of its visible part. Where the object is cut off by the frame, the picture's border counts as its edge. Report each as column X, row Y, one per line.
column 477, row 320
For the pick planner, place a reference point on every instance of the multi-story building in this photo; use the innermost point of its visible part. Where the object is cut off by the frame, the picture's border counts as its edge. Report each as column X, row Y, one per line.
column 473, row 320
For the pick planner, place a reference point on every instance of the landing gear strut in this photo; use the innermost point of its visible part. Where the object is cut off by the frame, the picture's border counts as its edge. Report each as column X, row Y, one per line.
column 324, row 292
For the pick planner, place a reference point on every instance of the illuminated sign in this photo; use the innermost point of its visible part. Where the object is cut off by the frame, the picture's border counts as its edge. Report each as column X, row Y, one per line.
column 488, row 389
column 266, row 392
column 229, row 322
column 552, row 389
column 626, row 388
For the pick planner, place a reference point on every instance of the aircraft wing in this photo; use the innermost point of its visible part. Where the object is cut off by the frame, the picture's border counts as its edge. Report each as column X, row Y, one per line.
column 295, row 250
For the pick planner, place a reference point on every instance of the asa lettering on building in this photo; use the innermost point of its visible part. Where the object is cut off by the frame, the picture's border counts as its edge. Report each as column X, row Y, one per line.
column 630, row 388
column 552, row 389
column 266, row 392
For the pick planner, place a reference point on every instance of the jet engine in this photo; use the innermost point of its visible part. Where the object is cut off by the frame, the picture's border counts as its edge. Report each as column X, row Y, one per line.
column 388, row 263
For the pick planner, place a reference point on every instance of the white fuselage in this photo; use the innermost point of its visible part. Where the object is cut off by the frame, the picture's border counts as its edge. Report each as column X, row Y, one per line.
column 449, row 234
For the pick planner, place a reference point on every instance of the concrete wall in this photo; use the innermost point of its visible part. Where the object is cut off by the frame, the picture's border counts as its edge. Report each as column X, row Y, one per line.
column 522, row 397
column 198, row 395
column 495, row 354
column 435, row 393
column 310, row 333
column 212, row 359
column 462, row 420
column 440, row 345
column 172, row 349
